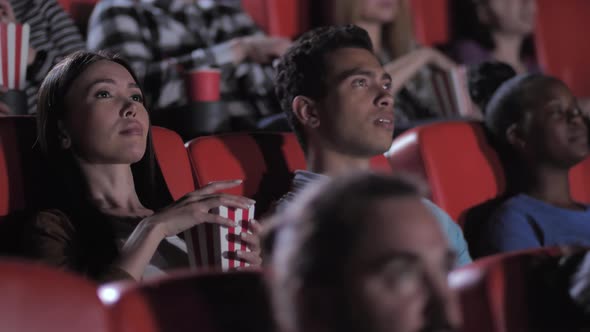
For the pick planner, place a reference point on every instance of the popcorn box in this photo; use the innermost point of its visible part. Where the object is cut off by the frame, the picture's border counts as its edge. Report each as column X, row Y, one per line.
column 14, row 52
column 207, row 242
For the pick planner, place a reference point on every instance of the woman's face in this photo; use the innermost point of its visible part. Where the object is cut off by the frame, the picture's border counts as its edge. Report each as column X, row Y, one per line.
column 511, row 16
column 106, row 121
column 556, row 131
column 378, row 11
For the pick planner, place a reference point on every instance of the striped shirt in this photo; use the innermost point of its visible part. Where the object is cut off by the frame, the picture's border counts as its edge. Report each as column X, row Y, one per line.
column 162, row 39
column 53, row 36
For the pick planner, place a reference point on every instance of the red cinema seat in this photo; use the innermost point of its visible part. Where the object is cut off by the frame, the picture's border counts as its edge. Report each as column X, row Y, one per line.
column 193, row 301
column 562, row 47
column 173, row 161
column 455, row 160
column 580, row 181
column 20, row 164
column 39, row 298
column 430, row 21
column 264, row 161
column 284, row 18
column 495, row 292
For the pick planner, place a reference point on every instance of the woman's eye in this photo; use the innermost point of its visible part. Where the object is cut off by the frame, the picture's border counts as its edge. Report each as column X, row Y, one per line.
column 103, row 94
column 138, row 98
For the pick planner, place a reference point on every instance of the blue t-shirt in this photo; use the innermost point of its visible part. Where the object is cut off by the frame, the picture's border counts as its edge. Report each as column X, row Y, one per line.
column 451, row 229
column 524, row 222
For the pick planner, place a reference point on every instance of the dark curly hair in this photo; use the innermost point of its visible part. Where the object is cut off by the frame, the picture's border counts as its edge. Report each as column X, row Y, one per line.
column 302, row 69
column 485, row 78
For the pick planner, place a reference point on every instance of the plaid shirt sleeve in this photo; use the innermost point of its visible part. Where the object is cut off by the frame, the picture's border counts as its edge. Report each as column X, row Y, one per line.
column 143, row 38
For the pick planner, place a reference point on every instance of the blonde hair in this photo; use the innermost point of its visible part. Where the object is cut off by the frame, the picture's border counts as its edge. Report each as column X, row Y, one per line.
column 397, row 36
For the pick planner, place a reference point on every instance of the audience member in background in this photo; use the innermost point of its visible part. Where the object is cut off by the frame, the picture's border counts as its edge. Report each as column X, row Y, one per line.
column 361, row 253
column 485, row 78
column 53, row 36
column 389, row 24
column 112, row 217
column 499, row 30
column 339, row 101
column 164, row 39
column 540, row 133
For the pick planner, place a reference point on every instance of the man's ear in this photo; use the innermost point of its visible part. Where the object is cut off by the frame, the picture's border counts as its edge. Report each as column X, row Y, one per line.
column 515, row 137
column 306, row 112
column 65, row 141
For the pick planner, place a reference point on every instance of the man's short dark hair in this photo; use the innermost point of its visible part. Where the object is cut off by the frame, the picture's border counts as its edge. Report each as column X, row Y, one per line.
column 302, row 69
column 312, row 241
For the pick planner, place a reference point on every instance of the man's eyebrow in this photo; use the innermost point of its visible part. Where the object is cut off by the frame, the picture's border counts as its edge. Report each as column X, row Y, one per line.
column 386, row 76
column 353, row 72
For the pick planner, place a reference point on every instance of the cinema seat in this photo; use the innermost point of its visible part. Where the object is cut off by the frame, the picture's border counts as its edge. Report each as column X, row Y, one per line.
column 193, row 301
column 430, row 21
column 20, row 165
column 580, row 181
column 264, row 161
column 173, row 161
column 455, row 160
column 562, row 49
column 495, row 293
column 39, row 298
column 281, row 18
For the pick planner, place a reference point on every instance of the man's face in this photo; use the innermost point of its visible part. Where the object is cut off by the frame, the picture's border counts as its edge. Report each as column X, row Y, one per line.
column 356, row 115
column 398, row 276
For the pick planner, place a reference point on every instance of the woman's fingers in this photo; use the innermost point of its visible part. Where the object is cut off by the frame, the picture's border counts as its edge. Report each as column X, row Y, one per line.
column 252, row 241
column 253, row 258
column 216, row 186
column 231, row 201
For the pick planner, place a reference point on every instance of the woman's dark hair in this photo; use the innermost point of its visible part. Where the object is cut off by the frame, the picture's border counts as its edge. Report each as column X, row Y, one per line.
column 485, row 78
column 67, row 189
column 465, row 25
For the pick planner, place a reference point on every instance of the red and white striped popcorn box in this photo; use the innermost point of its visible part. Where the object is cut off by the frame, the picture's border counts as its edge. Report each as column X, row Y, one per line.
column 207, row 242
column 451, row 91
column 14, row 52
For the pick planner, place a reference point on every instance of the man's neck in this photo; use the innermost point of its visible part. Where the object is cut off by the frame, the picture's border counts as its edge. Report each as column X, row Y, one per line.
column 551, row 185
column 329, row 162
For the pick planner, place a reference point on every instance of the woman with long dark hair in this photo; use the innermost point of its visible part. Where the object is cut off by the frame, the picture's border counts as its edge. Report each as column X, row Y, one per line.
column 111, row 216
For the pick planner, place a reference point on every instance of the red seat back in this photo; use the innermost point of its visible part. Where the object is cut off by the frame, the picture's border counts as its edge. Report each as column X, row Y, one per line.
column 264, row 161
column 189, row 301
column 455, row 160
column 20, row 167
column 38, row 298
column 580, row 181
column 173, row 161
column 431, row 21
column 494, row 292
column 562, row 50
column 284, row 18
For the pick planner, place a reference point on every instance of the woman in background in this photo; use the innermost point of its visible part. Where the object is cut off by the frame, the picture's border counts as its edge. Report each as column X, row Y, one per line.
column 494, row 30
column 540, row 133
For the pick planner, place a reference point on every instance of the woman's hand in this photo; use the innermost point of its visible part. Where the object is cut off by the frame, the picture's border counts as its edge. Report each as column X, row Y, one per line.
column 195, row 208
column 252, row 241
column 6, row 12
column 436, row 58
